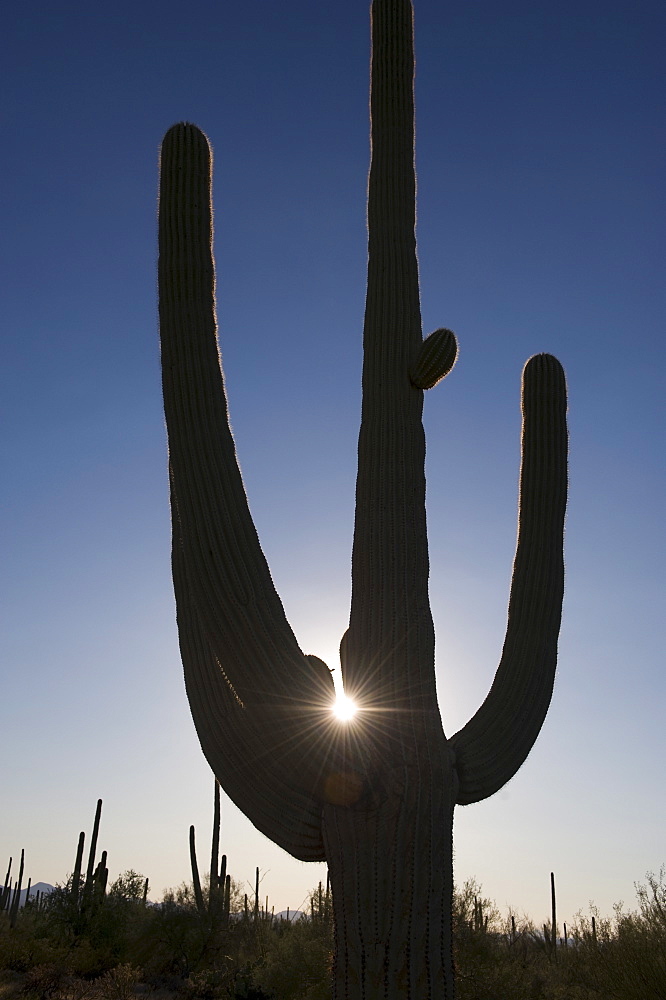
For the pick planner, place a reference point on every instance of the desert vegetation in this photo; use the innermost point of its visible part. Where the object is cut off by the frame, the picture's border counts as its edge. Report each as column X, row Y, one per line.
column 67, row 946
column 209, row 939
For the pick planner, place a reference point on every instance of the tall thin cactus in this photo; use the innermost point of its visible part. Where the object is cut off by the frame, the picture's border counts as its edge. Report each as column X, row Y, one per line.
column 86, row 893
column 214, row 883
column 196, row 881
column 374, row 797
column 90, row 870
column 16, row 900
column 76, row 874
column 553, row 916
column 100, row 879
column 7, row 889
column 218, row 903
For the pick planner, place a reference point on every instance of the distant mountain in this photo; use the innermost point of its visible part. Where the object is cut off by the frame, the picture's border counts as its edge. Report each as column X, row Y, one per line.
column 42, row 887
column 290, row 915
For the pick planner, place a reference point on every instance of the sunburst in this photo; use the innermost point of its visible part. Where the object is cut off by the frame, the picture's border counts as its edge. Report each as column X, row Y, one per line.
column 344, row 708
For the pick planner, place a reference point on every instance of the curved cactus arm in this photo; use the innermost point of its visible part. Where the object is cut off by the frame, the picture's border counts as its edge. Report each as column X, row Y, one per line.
column 227, row 573
column 244, row 751
column 495, row 742
column 234, row 634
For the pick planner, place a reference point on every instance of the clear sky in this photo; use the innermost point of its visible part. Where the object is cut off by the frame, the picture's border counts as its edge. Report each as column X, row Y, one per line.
column 541, row 224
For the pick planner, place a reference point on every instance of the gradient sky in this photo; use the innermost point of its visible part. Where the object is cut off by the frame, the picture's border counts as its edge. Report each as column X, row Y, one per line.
column 539, row 150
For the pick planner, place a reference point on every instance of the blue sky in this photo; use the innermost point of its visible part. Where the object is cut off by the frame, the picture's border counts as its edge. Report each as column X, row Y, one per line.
column 540, row 227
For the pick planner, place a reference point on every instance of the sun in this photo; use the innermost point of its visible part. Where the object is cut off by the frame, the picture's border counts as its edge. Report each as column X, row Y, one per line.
column 344, row 708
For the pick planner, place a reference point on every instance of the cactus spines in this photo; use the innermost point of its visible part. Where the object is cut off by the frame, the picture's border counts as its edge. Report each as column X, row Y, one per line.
column 376, row 802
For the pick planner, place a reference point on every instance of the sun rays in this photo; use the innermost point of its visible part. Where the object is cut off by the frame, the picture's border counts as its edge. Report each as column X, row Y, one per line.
column 344, row 708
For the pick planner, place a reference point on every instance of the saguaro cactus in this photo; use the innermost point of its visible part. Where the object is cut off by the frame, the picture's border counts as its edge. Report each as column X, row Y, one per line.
column 374, row 797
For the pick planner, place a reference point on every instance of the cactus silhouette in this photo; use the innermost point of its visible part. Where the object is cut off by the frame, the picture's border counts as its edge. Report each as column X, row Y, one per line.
column 373, row 797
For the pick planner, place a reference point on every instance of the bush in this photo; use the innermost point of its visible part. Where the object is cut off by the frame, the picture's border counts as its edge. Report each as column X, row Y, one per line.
column 47, row 980
column 297, row 961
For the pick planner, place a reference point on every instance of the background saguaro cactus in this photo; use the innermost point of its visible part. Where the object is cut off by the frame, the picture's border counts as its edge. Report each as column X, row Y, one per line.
column 375, row 797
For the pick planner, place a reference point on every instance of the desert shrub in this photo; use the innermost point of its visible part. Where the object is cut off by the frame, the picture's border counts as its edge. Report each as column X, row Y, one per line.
column 89, row 936
column 208, row 985
column 629, row 962
column 297, row 961
column 86, row 928
column 117, row 984
column 28, row 944
column 47, row 980
column 178, row 941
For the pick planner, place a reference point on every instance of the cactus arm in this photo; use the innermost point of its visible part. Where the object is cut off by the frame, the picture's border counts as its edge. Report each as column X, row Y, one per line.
column 495, row 742
column 226, row 569
column 256, row 699
column 241, row 747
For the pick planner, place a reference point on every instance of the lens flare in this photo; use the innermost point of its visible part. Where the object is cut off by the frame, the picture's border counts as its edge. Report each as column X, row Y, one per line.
column 344, row 708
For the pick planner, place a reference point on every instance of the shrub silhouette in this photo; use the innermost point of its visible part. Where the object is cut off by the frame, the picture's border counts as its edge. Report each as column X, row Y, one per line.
column 624, row 959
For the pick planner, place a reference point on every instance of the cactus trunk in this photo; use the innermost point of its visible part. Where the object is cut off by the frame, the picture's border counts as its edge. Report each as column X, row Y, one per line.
column 388, row 653
column 374, row 798
column 392, row 879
